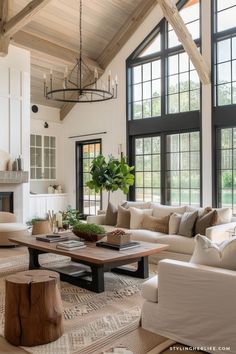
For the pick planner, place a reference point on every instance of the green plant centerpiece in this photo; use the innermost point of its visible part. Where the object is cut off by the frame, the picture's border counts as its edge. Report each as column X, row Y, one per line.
column 70, row 217
column 89, row 232
column 110, row 175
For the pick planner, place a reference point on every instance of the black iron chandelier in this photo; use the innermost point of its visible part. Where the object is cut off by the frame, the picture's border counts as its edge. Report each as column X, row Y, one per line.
column 81, row 84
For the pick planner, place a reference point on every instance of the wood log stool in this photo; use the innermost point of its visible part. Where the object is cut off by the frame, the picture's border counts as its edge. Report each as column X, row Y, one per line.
column 33, row 308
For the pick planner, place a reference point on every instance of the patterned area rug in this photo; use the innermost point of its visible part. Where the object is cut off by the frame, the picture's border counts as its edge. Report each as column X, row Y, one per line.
column 94, row 323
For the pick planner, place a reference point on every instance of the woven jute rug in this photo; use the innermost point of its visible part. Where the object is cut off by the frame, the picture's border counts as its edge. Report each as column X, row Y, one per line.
column 94, row 323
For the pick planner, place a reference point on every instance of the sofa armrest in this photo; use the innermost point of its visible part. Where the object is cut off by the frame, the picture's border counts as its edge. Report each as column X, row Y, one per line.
column 220, row 232
column 97, row 219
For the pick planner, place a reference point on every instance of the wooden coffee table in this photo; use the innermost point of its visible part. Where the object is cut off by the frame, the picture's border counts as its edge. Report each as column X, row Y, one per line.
column 98, row 259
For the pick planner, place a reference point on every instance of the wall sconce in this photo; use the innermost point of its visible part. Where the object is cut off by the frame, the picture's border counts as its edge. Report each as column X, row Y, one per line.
column 46, row 125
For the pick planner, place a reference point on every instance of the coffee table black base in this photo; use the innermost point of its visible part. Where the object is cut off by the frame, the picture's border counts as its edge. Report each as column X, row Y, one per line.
column 94, row 280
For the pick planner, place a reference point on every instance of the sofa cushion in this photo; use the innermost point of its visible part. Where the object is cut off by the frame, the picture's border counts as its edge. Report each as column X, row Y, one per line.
column 136, row 217
column 156, row 224
column 174, row 223
column 123, row 217
column 138, row 205
column 111, row 214
column 220, row 255
column 191, row 208
column 146, row 235
column 150, row 289
column 160, row 211
column 187, row 223
column 205, row 221
column 177, row 243
column 224, row 215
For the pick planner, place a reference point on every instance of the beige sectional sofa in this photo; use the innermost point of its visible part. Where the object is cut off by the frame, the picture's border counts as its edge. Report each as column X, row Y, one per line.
column 180, row 247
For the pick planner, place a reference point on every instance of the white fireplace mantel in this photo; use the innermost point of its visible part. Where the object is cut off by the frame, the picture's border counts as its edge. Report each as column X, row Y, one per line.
column 15, row 177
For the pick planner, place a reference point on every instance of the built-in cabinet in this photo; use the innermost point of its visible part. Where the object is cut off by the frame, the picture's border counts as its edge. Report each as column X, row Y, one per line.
column 42, row 157
column 40, row 204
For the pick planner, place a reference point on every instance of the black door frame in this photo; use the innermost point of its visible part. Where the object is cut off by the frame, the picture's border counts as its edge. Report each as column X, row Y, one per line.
column 79, row 172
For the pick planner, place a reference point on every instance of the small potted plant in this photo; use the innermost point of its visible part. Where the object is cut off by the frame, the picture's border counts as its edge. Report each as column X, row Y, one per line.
column 39, row 226
column 70, row 217
column 89, row 232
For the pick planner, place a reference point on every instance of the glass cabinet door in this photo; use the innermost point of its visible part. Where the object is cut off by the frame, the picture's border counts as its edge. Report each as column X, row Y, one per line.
column 42, row 157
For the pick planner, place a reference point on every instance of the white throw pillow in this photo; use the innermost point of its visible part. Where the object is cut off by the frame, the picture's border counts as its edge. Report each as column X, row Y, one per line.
column 160, row 211
column 136, row 217
column 174, row 223
column 220, row 255
column 224, row 215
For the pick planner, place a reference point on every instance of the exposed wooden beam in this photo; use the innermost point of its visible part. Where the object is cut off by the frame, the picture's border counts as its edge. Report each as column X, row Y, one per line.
column 118, row 41
column 49, row 49
column 172, row 15
column 23, row 17
column 126, row 31
column 4, row 41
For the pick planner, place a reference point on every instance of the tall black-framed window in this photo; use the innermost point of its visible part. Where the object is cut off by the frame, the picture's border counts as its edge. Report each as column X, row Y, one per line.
column 148, row 168
column 224, row 101
column 88, row 202
column 167, row 168
column 182, row 172
column 226, row 167
column 163, row 102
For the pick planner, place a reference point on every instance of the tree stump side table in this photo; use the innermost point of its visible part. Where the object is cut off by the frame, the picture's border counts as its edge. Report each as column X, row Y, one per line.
column 33, row 308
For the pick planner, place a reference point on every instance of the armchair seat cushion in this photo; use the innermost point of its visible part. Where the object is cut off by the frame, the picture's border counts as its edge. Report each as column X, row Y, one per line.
column 8, row 230
column 150, row 289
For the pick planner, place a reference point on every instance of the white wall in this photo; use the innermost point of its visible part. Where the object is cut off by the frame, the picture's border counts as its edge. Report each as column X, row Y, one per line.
column 52, row 117
column 111, row 116
column 15, row 117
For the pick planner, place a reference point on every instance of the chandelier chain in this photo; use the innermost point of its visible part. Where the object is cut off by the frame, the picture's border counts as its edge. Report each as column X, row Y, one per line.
column 80, row 45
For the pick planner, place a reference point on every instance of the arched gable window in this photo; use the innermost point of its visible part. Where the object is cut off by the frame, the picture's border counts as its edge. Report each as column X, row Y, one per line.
column 163, row 106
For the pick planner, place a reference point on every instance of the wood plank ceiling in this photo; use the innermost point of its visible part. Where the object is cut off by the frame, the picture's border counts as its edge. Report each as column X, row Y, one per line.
column 58, row 23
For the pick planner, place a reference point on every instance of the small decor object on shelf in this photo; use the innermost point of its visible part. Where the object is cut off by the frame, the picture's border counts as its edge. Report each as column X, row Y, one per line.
column 15, row 165
column 20, row 163
column 118, row 237
column 89, row 232
column 50, row 189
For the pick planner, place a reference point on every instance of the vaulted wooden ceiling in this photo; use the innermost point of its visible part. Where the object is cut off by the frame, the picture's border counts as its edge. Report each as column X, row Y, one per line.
column 52, row 34
column 50, row 30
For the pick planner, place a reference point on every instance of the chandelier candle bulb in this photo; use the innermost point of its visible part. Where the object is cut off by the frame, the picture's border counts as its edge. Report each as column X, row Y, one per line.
column 59, row 219
column 116, row 79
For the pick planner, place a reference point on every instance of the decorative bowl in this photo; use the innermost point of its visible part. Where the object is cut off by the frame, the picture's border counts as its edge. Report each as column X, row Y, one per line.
column 88, row 236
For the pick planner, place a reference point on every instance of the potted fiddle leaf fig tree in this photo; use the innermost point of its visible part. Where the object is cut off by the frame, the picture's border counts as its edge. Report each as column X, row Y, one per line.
column 110, row 175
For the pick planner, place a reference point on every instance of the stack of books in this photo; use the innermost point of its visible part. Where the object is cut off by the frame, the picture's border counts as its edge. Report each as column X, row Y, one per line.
column 70, row 245
column 122, row 247
column 51, row 238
